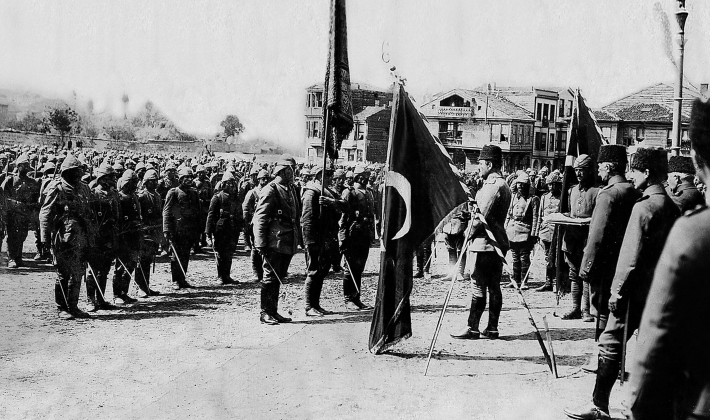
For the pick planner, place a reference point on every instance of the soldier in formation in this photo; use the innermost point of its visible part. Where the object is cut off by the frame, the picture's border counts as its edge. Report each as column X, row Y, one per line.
column 223, row 226
column 181, row 225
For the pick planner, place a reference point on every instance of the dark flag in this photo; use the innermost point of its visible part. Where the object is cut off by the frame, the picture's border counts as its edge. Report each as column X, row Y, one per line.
column 337, row 100
column 584, row 138
column 421, row 188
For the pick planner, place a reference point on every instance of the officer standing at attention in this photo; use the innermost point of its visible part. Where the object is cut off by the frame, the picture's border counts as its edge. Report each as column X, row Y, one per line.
column 670, row 375
column 277, row 234
column 224, row 223
column 247, row 184
column 492, row 201
column 152, row 213
column 681, row 188
column 550, row 203
column 606, row 230
column 66, row 223
column 355, row 236
column 106, row 212
column 21, row 199
column 129, row 237
column 181, row 225
column 248, row 208
column 204, row 191
column 320, row 236
column 651, row 220
column 48, row 169
column 582, row 199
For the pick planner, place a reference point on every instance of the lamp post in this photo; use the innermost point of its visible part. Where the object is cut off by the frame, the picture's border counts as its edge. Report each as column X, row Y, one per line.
column 681, row 15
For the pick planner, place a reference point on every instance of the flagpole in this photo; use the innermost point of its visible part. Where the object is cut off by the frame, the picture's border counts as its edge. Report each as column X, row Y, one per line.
column 325, row 150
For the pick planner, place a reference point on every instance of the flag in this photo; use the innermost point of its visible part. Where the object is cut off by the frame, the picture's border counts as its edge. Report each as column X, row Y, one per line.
column 337, row 100
column 421, row 188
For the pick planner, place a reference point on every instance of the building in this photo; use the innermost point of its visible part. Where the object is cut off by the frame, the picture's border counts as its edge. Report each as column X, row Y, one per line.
column 466, row 120
column 4, row 111
column 371, row 114
column 552, row 110
column 645, row 118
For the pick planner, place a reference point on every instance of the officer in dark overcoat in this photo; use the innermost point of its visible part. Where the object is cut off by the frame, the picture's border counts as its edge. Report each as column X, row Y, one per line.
column 204, row 191
column 670, row 373
column 651, row 220
column 277, row 234
column 21, row 194
column 129, row 236
column 223, row 225
column 681, row 186
column 152, row 214
column 319, row 221
column 181, row 225
column 248, row 208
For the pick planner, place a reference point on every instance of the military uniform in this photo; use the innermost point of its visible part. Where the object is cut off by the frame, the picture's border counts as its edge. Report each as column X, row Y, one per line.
column 66, row 222
column 245, row 186
column 21, row 196
column 151, row 207
column 686, row 196
column 549, row 203
column 181, row 220
column 320, row 237
column 355, row 236
column 106, row 212
column 277, row 234
column 454, row 235
column 224, row 221
column 204, row 191
column 129, row 241
column 611, row 214
column 248, row 207
column 522, row 226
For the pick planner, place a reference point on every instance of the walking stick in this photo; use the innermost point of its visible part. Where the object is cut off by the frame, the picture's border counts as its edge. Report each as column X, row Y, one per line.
column 597, row 329
column 455, row 269
column 350, row 270
column 549, row 343
column 624, row 346
column 178, row 260
column 93, row 274
column 283, row 292
column 525, row 280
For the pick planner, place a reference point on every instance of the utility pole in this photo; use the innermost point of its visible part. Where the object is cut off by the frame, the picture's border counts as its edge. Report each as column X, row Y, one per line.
column 681, row 15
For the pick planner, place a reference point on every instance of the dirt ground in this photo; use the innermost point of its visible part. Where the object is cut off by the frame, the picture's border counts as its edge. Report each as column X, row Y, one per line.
column 203, row 354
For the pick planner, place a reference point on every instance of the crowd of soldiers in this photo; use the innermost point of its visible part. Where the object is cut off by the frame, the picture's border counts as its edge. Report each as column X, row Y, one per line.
column 636, row 265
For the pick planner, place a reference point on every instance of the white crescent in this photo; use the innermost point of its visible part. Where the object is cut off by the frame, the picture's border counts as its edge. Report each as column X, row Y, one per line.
column 404, row 188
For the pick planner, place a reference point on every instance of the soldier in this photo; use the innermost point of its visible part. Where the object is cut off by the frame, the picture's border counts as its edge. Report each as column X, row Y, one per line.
column 320, row 236
column 493, row 200
column 522, row 226
column 582, row 199
column 66, row 223
column 248, row 208
column 651, row 220
column 204, row 191
column 355, row 236
column 169, row 181
column 181, row 225
column 339, row 181
column 43, row 253
column 540, row 186
column 224, row 221
column 550, row 203
column 129, row 237
column 669, row 375
column 21, row 197
column 151, row 210
column 106, row 212
column 454, row 235
column 246, row 185
column 349, row 179
column 611, row 213
column 681, row 188
column 277, row 233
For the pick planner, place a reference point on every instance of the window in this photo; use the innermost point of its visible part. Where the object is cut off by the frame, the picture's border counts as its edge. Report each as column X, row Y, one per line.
column 495, row 132
column 528, row 135
column 351, row 155
column 569, row 108
column 539, row 112
column 562, row 141
column 543, row 141
column 537, row 141
column 359, row 155
column 319, row 151
column 319, row 99
column 545, row 114
column 514, row 135
column 606, row 132
column 552, row 112
column 505, row 133
column 551, row 148
column 316, row 129
column 562, row 108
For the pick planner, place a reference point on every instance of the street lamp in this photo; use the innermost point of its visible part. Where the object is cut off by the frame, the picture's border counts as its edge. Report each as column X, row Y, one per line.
column 681, row 15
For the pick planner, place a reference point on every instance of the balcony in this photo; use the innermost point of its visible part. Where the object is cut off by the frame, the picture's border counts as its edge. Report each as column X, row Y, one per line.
column 449, row 138
column 454, row 111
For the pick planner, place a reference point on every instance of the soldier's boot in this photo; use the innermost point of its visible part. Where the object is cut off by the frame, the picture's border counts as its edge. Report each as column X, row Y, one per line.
column 586, row 315
column 226, row 263
column 256, row 265
column 524, row 273
column 471, row 331
column 599, row 409
column 274, row 299
column 575, row 312
column 453, row 259
column 516, row 275
column 317, row 289
column 265, row 303
column 494, row 309
column 310, row 298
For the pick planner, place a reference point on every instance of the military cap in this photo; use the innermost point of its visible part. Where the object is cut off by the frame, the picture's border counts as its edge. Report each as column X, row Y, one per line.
column 700, row 128
column 544, row 170
column 228, row 176
column 360, row 169
column 118, row 166
column 49, row 166
column 349, row 174
column 582, row 161
column 185, row 171
column 254, row 169
column 492, row 153
column 522, row 178
column 553, row 178
column 170, row 166
column 339, row 173
column 200, row 168
column 653, row 159
column 262, row 174
column 681, row 164
column 614, row 153
column 288, row 158
column 306, row 171
column 23, row 158
column 140, row 166
column 69, row 163
column 104, row 170
column 150, row 174
column 153, row 161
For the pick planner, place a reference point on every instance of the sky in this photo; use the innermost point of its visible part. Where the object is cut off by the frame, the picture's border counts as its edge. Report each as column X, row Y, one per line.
column 200, row 60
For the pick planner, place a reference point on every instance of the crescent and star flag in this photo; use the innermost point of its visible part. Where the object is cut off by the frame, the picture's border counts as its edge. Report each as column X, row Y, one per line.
column 421, row 188
column 337, row 100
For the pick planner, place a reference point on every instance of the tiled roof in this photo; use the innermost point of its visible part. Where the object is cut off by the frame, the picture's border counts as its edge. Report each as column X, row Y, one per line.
column 602, row 115
column 499, row 105
column 646, row 112
column 659, row 94
column 368, row 112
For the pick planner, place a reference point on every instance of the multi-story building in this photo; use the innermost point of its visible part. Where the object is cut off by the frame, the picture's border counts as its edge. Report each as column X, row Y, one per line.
column 552, row 109
column 645, row 118
column 466, row 120
column 371, row 113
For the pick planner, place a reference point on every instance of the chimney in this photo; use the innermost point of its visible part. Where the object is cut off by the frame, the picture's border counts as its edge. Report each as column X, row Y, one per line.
column 704, row 90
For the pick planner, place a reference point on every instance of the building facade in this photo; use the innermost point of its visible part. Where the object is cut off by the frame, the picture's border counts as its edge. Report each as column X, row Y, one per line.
column 371, row 114
column 466, row 120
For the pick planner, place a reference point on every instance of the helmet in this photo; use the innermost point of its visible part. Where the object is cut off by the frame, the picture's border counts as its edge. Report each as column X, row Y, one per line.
column 185, row 171
column 118, row 166
column 228, row 176
column 140, row 166
column 23, row 158
column 49, row 166
column 306, row 172
column 170, row 166
column 104, row 170
column 361, row 169
column 70, row 162
column 523, row 179
column 255, row 169
column 150, row 174
column 129, row 174
column 200, row 168
column 262, row 174
column 339, row 173
column 349, row 174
